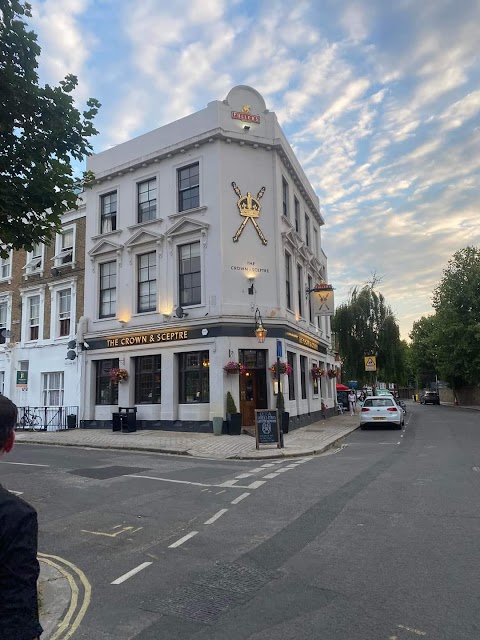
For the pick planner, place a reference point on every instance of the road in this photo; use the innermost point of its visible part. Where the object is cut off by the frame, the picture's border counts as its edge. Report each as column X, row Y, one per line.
column 376, row 541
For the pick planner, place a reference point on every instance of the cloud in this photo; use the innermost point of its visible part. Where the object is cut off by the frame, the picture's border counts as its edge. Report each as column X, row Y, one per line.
column 65, row 45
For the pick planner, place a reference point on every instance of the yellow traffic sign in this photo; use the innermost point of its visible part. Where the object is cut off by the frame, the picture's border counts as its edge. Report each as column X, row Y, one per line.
column 370, row 363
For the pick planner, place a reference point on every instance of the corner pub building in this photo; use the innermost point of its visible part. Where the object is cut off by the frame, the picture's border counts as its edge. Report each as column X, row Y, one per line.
column 197, row 232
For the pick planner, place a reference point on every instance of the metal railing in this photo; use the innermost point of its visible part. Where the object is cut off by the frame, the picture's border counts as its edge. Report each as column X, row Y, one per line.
column 47, row 418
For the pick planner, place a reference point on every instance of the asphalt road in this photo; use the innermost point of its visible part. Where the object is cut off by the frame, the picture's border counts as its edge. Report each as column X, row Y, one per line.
column 377, row 541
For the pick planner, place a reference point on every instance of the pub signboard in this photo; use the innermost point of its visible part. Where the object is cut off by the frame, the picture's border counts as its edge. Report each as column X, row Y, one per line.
column 267, row 427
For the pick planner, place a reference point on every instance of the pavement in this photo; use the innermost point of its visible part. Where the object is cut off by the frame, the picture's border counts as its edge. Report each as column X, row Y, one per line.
column 54, row 597
column 311, row 439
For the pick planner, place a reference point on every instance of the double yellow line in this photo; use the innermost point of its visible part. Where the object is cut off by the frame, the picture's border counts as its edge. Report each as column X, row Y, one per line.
column 79, row 586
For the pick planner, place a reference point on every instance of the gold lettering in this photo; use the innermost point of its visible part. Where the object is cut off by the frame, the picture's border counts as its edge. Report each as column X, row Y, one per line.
column 185, row 335
column 152, row 338
column 144, row 339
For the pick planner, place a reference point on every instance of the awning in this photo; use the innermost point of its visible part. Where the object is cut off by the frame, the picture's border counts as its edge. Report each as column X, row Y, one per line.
column 342, row 387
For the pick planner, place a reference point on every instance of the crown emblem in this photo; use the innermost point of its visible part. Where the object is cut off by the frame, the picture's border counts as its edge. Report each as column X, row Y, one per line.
column 246, row 108
column 249, row 207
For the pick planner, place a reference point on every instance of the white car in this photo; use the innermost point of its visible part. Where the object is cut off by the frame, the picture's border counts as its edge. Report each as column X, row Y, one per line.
column 381, row 410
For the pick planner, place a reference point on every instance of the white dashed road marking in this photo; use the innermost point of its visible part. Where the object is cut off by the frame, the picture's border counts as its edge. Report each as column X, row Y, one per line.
column 182, row 540
column 240, row 498
column 243, row 475
column 131, row 573
column 255, row 485
column 271, row 475
column 216, row 516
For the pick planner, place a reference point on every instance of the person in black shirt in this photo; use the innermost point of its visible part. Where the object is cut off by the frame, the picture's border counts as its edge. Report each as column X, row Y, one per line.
column 19, row 568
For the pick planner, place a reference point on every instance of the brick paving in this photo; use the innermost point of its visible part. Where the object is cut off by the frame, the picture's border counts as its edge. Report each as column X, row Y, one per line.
column 308, row 440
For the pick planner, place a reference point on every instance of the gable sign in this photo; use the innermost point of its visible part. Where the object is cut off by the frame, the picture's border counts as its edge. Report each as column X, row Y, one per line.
column 245, row 115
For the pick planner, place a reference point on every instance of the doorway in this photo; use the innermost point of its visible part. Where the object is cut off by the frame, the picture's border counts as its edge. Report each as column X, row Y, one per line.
column 253, row 384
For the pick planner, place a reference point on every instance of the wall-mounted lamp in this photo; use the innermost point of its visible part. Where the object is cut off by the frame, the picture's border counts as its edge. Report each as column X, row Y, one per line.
column 246, row 127
column 251, row 288
column 260, row 330
column 123, row 322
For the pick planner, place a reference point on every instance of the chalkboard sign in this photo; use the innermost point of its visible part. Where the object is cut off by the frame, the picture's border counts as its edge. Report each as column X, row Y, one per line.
column 267, row 429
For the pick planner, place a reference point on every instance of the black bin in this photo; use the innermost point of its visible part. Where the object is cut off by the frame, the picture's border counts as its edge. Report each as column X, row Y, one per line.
column 128, row 419
column 71, row 421
column 116, row 422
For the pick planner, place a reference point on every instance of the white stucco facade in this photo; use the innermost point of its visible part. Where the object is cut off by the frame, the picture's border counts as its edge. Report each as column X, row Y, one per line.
column 219, row 266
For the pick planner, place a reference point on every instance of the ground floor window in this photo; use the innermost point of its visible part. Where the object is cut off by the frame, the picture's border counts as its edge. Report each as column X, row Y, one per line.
column 53, row 389
column 148, row 380
column 194, row 381
column 106, row 391
column 303, row 376
column 291, row 377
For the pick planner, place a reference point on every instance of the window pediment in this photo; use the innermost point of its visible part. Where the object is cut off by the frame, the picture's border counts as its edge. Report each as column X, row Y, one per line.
column 105, row 248
column 142, row 236
column 187, row 226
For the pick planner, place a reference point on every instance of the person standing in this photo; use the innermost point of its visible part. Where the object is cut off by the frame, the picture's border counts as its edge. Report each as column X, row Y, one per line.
column 19, row 568
column 352, row 398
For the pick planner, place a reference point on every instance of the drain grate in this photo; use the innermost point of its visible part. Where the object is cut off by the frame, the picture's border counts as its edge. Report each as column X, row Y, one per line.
column 235, row 577
column 104, row 473
column 213, row 593
column 195, row 603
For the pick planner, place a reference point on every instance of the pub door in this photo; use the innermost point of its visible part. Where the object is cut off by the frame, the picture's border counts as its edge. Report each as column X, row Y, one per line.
column 253, row 385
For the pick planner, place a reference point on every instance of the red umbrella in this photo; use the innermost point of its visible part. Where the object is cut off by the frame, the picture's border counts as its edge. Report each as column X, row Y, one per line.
column 342, row 387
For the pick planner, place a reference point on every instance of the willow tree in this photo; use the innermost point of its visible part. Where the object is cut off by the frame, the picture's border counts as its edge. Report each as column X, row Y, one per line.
column 365, row 326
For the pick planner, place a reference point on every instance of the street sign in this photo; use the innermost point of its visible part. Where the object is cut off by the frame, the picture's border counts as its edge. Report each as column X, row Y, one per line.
column 267, row 429
column 370, row 363
column 22, row 379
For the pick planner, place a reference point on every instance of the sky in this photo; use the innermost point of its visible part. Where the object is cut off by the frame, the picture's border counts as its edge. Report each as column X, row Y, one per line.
column 380, row 101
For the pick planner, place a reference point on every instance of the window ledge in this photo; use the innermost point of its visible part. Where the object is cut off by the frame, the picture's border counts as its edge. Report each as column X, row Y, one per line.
column 139, row 225
column 33, row 273
column 6, row 280
column 63, row 267
column 188, row 212
column 108, row 234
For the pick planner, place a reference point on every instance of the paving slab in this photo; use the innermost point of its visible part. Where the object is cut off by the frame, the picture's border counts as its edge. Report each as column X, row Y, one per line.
column 312, row 439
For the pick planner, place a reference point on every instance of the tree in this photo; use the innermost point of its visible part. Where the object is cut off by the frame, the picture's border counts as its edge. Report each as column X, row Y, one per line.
column 424, row 349
column 41, row 131
column 456, row 301
column 365, row 325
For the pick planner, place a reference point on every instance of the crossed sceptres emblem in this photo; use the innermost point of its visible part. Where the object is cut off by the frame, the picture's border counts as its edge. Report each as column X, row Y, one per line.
column 250, row 208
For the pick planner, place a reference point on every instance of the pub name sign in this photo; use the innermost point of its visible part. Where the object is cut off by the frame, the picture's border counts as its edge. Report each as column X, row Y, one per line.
column 146, row 338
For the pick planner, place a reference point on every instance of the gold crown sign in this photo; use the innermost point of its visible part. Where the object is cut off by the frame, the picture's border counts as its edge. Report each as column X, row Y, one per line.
column 249, row 207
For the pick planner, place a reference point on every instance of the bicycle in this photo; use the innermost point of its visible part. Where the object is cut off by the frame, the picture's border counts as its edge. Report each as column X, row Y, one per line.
column 30, row 420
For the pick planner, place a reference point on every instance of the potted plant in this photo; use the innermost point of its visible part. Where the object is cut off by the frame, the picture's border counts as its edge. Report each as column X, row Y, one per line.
column 283, row 415
column 317, row 373
column 332, row 373
column 118, row 375
column 234, row 419
column 285, row 369
column 234, row 367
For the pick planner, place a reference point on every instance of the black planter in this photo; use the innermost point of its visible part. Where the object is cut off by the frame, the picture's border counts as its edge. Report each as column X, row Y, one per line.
column 234, row 423
column 285, row 421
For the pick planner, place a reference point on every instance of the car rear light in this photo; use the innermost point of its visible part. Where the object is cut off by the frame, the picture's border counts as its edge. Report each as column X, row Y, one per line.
column 365, row 409
column 392, row 409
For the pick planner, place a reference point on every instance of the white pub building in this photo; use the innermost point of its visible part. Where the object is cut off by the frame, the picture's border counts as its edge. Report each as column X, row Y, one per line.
column 197, row 233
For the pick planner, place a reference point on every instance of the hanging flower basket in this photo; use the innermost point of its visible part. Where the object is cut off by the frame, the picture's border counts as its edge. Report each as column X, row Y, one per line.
column 118, row 375
column 234, row 367
column 285, row 369
column 317, row 373
column 332, row 373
